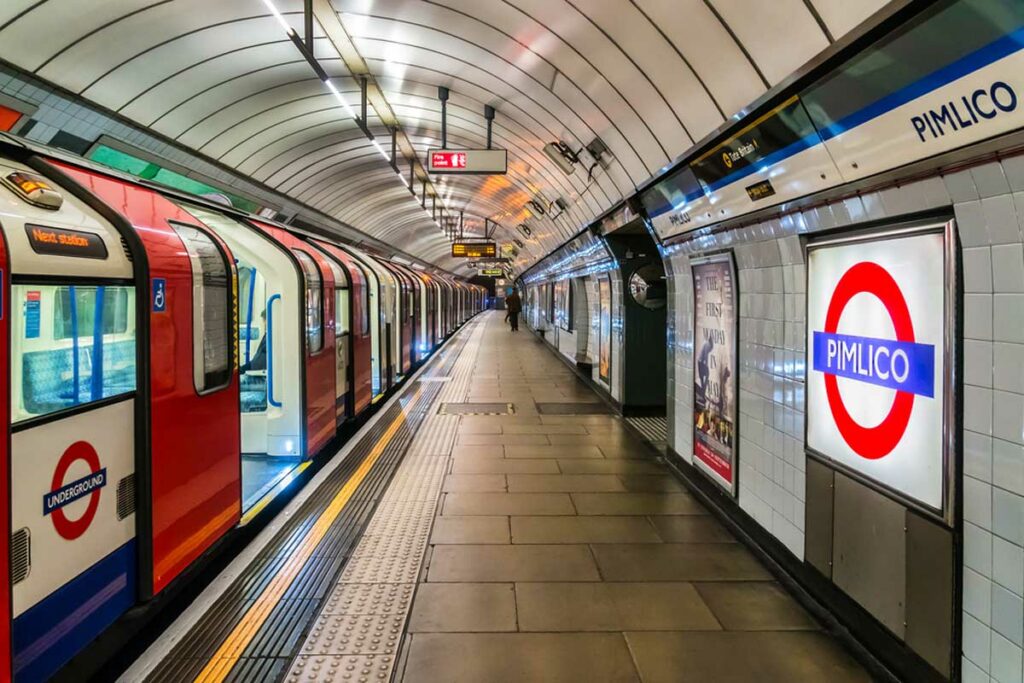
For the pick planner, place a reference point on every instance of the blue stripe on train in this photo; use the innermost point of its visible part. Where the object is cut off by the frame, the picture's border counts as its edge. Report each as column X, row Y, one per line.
column 51, row 632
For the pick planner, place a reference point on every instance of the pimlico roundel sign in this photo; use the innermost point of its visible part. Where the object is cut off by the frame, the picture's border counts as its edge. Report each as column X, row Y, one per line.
column 876, row 320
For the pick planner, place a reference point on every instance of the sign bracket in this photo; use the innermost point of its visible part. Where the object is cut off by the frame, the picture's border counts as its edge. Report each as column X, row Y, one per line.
column 442, row 94
column 489, row 115
column 307, row 16
column 394, row 149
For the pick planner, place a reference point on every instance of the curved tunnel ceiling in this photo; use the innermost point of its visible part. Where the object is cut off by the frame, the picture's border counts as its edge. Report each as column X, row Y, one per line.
column 647, row 77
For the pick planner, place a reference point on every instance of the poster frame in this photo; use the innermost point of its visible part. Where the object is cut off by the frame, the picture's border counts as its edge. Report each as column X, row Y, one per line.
column 951, row 356
column 604, row 345
column 725, row 256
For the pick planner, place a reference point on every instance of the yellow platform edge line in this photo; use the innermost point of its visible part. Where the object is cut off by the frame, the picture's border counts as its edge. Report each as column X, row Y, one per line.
column 229, row 652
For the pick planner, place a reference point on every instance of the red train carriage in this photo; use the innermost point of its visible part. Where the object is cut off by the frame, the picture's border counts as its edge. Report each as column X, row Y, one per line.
column 169, row 361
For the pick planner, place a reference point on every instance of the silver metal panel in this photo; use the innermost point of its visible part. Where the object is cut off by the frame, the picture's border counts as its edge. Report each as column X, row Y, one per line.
column 818, row 517
column 870, row 551
column 930, row 586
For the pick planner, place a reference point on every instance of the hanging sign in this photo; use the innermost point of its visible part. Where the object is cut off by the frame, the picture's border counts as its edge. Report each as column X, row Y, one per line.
column 715, row 378
column 474, row 249
column 876, row 326
column 468, row 161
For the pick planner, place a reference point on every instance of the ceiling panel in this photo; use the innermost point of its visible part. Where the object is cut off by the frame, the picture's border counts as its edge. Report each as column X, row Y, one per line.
column 762, row 27
column 220, row 77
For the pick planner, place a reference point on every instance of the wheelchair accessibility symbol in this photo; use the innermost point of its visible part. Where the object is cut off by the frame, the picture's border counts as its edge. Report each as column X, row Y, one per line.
column 159, row 295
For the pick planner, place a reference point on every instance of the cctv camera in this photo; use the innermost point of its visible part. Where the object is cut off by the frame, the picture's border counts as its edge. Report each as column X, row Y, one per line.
column 556, row 151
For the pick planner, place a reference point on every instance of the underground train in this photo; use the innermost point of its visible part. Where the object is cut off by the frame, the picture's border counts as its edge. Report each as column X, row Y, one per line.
column 172, row 363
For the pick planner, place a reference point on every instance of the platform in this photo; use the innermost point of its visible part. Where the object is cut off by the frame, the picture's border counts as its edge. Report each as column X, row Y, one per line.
column 466, row 535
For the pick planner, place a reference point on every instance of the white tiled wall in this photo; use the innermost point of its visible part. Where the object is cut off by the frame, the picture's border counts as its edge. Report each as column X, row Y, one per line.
column 988, row 202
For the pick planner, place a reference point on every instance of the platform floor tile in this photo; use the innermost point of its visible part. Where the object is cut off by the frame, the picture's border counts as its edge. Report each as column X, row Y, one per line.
column 519, row 657
column 735, row 656
column 556, row 548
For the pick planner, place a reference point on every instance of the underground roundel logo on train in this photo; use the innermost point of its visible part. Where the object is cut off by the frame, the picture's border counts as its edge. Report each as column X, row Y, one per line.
column 64, row 492
column 901, row 364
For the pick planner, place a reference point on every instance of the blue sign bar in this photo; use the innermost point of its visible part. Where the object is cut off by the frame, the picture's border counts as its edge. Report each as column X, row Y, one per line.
column 903, row 366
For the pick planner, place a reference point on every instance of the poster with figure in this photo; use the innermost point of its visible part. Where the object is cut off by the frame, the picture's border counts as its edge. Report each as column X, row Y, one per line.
column 604, row 297
column 714, row 369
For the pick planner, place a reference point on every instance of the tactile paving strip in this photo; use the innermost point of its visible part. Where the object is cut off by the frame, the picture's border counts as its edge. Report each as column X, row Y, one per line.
column 355, row 634
column 282, row 634
column 367, row 611
column 348, row 668
column 369, row 598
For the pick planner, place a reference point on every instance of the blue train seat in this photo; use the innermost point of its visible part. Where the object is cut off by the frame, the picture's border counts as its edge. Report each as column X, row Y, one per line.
column 48, row 376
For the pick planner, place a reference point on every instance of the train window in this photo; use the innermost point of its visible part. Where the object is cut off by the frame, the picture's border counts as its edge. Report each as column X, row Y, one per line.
column 364, row 321
column 212, row 310
column 340, row 298
column 80, row 314
column 314, row 302
column 71, row 345
column 341, row 312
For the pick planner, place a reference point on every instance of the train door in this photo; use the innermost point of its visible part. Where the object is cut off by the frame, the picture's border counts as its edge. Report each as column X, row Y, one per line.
column 391, row 303
column 271, row 354
column 407, row 317
column 414, row 314
column 427, row 325
column 72, row 422
column 194, row 476
column 342, row 338
column 379, row 356
column 320, row 355
column 356, row 317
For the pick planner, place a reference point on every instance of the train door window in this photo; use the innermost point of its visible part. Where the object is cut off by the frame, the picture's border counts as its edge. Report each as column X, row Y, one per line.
column 212, row 310
column 341, row 294
column 71, row 345
column 314, row 302
column 341, row 311
column 364, row 321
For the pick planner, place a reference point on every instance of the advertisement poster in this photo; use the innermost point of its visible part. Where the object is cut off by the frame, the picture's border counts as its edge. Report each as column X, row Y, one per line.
column 563, row 314
column 604, row 297
column 877, row 315
column 714, row 371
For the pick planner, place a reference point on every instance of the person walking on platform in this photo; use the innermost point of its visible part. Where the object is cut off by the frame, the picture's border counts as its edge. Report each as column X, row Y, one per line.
column 514, row 305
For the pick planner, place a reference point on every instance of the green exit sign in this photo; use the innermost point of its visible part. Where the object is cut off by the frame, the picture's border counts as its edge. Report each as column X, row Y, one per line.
column 492, row 272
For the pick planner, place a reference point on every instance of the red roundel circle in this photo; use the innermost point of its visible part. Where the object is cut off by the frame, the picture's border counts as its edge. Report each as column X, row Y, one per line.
column 875, row 442
column 73, row 528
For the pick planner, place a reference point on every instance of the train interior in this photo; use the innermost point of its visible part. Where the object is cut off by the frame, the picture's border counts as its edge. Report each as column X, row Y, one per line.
column 270, row 365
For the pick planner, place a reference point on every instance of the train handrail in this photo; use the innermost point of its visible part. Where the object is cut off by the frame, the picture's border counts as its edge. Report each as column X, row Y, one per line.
column 248, row 315
column 270, row 351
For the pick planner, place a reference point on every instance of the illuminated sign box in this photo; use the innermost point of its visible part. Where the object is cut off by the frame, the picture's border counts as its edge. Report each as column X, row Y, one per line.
column 879, row 387
column 63, row 242
column 492, row 272
column 474, row 249
column 468, row 161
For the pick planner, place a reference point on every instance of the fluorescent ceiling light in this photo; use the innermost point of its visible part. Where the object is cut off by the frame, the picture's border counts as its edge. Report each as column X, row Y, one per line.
column 277, row 15
column 380, row 149
column 341, row 100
